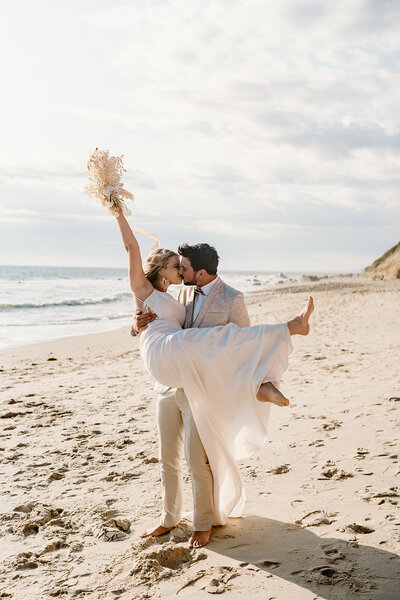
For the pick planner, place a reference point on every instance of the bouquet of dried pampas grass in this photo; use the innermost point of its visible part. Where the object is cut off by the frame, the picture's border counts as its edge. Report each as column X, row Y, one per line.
column 105, row 184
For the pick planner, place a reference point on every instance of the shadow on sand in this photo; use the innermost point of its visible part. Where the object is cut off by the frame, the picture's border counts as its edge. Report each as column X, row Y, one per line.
column 333, row 568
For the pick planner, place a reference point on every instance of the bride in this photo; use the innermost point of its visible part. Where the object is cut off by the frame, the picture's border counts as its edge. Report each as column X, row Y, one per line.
column 230, row 374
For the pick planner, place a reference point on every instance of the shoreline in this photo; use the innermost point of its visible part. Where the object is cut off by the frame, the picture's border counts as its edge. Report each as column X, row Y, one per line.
column 76, row 344
column 323, row 283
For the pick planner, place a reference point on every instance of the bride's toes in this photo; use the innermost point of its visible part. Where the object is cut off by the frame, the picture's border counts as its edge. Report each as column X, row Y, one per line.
column 269, row 393
column 303, row 327
column 282, row 401
column 309, row 307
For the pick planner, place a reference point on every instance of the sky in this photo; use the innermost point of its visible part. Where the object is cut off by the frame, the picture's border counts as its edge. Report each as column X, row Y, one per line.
column 268, row 129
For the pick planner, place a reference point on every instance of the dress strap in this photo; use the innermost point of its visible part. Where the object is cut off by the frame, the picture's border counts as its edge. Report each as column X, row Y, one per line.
column 145, row 306
column 140, row 300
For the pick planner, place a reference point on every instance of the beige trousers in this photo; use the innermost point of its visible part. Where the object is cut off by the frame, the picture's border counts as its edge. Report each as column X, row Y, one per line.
column 177, row 431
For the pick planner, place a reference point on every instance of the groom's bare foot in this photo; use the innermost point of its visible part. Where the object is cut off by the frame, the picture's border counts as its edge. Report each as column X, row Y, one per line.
column 300, row 325
column 200, row 538
column 160, row 530
column 269, row 393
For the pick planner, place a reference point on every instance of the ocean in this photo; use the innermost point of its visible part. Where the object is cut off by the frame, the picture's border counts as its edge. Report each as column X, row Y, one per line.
column 40, row 304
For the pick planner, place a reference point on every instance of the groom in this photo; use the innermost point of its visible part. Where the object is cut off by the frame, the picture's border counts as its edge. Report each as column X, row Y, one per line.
column 209, row 302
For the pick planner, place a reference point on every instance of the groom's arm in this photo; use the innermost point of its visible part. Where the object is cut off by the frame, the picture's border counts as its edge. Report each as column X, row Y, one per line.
column 238, row 313
column 141, row 320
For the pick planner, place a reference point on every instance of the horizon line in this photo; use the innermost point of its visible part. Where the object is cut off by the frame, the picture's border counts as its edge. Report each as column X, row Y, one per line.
column 302, row 271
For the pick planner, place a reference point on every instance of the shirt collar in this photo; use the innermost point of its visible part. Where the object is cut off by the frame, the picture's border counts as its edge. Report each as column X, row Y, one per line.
column 206, row 289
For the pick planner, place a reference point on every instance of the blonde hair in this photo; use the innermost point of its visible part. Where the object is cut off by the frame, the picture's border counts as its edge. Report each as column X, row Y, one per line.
column 157, row 260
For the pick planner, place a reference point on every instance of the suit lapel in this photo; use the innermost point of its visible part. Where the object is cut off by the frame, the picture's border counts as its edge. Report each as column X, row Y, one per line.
column 216, row 288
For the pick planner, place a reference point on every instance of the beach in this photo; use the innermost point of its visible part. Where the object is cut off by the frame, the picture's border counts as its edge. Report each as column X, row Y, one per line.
column 80, row 475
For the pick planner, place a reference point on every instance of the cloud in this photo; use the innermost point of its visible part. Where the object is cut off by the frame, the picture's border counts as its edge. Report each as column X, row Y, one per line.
column 254, row 120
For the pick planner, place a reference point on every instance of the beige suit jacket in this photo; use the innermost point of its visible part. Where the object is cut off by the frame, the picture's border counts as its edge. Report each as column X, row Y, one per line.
column 223, row 305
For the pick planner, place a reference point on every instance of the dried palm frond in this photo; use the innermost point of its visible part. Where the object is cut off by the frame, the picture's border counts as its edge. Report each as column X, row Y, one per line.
column 105, row 183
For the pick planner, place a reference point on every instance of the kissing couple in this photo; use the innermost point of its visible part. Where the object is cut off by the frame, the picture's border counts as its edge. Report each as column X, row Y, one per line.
column 216, row 377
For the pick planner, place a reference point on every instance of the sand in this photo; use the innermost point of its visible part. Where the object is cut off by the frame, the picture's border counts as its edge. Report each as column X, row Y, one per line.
column 80, row 479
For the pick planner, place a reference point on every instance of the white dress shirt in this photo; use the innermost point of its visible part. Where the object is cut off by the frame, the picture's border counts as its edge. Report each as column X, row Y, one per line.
column 200, row 298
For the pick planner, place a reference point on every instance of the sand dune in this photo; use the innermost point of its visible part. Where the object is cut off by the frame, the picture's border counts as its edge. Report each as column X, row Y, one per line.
column 386, row 266
column 80, row 474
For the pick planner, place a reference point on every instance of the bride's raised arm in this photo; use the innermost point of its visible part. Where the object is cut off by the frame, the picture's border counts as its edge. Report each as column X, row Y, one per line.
column 140, row 285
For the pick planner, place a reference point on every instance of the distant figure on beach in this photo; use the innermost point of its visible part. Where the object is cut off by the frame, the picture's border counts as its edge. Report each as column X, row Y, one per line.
column 229, row 372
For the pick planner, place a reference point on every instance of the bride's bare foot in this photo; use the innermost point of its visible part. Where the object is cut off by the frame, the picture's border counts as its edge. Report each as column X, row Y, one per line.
column 160, row 530
column 300, row 325
column 200, row 538
column 269, row 393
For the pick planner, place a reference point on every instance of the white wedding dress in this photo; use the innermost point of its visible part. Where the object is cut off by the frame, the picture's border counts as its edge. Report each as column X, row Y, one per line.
column 220, row 369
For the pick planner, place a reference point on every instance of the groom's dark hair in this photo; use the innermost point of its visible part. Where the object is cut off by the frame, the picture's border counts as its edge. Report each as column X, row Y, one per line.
column 201, row 256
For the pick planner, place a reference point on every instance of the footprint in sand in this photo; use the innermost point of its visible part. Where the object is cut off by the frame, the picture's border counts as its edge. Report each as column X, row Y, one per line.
column 330, row 471
column 24, row 560
column 280, row 470
column 355, row 528
column 156, row 560
column 124, row 476
column 331, row 426
column 54, row 544
column 112, row 527
column 269, row 563
column 110, row 534
column 325, row 575
column 361, row 453
column 37, row 516
column 11, row 414
column 316, row 518
column 333, row 554
column 115, row 529
column 380, row 498
column 55, row 476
